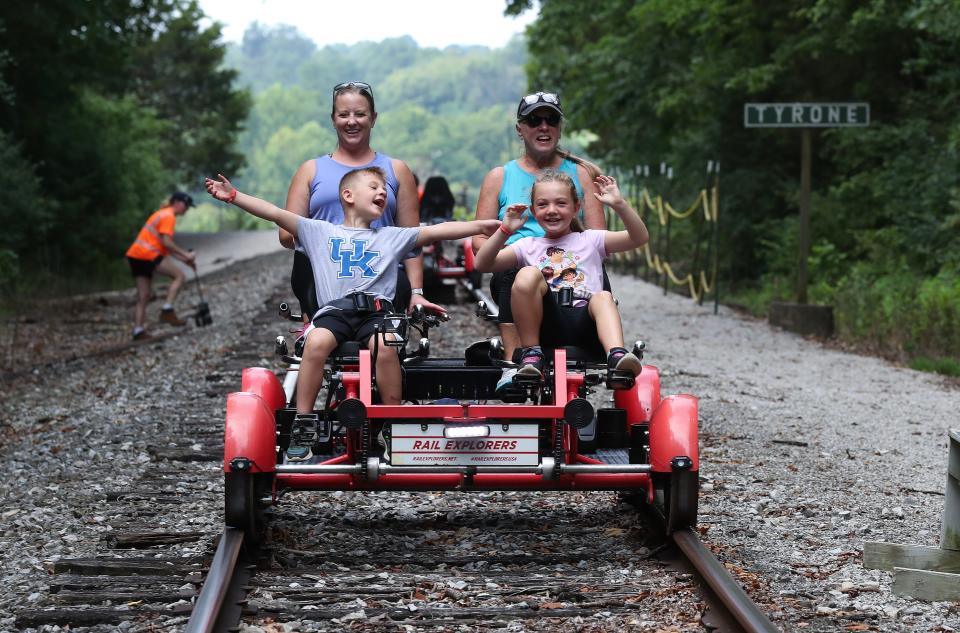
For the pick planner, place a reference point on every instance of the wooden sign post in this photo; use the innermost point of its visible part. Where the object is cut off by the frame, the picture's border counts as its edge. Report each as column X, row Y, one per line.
column 805, row 116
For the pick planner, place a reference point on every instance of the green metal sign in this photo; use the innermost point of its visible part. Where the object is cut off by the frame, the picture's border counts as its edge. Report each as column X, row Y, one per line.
column 806, row 114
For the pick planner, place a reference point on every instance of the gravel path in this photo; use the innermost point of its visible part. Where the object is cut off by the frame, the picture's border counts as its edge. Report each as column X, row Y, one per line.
column 806, row 451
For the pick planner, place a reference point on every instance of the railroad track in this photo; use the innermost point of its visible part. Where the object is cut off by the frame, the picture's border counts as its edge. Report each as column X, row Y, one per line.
column 376, row 560
column 325, row 582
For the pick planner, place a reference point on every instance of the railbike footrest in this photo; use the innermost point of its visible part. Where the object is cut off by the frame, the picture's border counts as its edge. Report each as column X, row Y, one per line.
column 303, row 436
column 620, row 379
column 526, row 381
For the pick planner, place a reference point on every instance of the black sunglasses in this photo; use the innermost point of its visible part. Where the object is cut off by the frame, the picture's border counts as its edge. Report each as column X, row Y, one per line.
column 533, row 120
column 359, row 85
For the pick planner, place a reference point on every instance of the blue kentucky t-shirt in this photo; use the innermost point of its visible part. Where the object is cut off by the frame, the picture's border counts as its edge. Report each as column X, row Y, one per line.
column 346, row 260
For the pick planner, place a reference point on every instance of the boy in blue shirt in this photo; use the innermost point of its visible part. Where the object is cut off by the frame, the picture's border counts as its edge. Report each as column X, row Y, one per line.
column 353, row 265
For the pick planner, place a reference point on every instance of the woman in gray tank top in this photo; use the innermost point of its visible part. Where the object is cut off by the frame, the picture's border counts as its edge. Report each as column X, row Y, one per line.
column 314, row 193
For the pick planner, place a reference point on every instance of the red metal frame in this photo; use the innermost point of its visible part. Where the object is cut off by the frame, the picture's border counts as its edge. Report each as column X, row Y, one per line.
column 251, row 433
column 673, row 432
column 264, row 383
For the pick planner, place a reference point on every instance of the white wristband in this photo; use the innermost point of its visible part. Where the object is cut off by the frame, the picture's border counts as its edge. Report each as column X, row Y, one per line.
column 416, row 291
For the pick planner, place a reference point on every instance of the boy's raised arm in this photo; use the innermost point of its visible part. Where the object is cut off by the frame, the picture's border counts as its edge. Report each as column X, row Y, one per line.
column 225, row 192
column 456, row 230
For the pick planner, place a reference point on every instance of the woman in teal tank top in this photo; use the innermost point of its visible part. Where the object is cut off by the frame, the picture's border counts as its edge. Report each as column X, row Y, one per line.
column 539, row 124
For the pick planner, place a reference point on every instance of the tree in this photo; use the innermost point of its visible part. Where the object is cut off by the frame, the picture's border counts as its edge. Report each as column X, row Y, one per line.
column 110, row 105
column 664, row 80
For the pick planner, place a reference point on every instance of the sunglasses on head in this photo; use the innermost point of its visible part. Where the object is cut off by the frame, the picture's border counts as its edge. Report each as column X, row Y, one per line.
column 537, row 97
column 359, row 85
column 533, row 120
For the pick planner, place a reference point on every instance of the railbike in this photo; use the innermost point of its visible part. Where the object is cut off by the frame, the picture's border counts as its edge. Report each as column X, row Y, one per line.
column 451, row 433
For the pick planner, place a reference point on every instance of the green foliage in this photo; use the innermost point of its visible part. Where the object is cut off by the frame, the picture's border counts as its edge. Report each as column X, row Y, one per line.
column 25, row 214
column 180, row 76
column 105, row 107
column 945, row 366
column 447, row 112
column 897, row 311
column 672, row 77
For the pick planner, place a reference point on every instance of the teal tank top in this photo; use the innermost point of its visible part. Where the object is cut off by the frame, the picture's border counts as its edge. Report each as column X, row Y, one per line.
column 516, row 187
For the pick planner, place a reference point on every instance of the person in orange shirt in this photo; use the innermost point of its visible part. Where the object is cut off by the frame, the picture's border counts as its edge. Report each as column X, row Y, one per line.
column 148, row 254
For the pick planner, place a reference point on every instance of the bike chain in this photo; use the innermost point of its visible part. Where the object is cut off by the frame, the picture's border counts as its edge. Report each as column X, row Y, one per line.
column 364, row 449
column 557, row 449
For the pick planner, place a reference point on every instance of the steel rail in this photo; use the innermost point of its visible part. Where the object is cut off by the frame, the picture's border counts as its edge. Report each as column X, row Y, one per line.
column 728, row 590
column 203, row 619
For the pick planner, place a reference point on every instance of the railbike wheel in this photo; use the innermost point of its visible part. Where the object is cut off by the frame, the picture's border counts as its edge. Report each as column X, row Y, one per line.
column 677, row 495
column 243, row 509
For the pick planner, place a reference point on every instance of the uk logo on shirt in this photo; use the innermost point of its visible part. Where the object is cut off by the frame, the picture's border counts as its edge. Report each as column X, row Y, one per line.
column 355, row 256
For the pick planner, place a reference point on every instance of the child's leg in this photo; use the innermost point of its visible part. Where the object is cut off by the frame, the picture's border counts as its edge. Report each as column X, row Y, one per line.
column 527, row 304
column 317, row 347
column 604, row 312
column 389, row 379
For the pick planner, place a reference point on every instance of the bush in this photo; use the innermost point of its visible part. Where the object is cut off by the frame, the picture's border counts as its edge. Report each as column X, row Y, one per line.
column 898, row 312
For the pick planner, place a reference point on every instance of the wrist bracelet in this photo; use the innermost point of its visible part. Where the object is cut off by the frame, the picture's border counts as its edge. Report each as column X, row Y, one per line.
column 504, row 229
column 416, row 291
column 231, row 197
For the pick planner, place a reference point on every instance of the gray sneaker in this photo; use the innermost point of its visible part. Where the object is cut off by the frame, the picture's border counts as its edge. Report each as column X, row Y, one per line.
column 303, row 435
column 506, row 381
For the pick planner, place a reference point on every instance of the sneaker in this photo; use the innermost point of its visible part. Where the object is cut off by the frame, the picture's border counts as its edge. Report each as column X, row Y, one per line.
column 531, row 363
column 142, row 335
column 170, row 317
column 622, row 360
column 303, row 435
column 506, row 381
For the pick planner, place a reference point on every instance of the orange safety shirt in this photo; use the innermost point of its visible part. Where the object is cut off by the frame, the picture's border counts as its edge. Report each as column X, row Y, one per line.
column 148, row 244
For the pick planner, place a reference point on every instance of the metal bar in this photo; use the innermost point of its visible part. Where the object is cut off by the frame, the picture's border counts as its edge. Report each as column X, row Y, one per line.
column 718, row 578
column 207, row 609
column 605, row 468
column 804, row 227
column 320, row 469
column 354, row 469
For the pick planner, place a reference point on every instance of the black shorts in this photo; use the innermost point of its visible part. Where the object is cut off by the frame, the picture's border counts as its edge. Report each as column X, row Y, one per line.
column 501, row 291
column 143, row 267
column 302, row 284
column 567, row 325
column 501, row 285
column 349, row 325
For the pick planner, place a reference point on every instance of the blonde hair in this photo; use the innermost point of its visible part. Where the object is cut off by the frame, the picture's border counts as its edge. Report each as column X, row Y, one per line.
column 592, row 170
column 557, row 176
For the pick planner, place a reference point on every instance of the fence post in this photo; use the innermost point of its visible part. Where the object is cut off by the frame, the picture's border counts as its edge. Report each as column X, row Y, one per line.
column 666, row 254
column 716, row 239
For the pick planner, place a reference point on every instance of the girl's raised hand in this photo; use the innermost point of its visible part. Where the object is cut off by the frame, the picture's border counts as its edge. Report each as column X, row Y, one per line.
column 609, row 191
column 515, row 216
column 220, row 189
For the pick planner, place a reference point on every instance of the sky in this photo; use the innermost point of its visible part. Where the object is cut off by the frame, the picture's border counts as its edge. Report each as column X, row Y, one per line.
column 432, row 23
